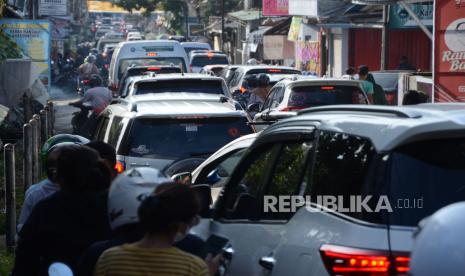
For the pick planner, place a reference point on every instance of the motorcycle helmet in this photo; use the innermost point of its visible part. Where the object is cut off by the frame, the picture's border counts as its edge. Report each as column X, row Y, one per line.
column 252, row 61
column 128, row 191
column 58, row 139
column 439, row 247
column 91, row 58
column 95, row 80
column 263, row 80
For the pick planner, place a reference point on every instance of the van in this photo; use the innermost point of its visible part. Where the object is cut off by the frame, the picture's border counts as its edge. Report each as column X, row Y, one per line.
column 145, row 53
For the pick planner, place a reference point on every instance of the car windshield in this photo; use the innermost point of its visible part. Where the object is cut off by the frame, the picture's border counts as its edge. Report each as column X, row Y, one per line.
column 153, row 61
column 190, row 49
column 183, row 138
column 427, row 174
column 201, row 61
column 388, row 81
column 180, row 85
column 316, row 95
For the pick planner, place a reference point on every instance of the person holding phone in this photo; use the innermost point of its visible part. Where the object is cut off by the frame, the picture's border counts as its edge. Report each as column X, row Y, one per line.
column 165, row 217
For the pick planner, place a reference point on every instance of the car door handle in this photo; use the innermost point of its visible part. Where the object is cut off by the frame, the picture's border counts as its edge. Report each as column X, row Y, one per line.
column 267, row 262
column 228, row 253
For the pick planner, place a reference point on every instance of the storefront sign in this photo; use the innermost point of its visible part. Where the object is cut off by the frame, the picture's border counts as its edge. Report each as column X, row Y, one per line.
column 307, row 56
column 399, row 17
column 52, row 7
column 303, row 7
column 275, row 7
column 33, row 37
column 449, row 51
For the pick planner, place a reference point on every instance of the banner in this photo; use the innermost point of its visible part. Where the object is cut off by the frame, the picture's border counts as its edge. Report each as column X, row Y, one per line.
column 275, row 7
column 33, row 37
column 307, row 56
column 449, row 51
column 294, row 29
column 52, row 7
column 277, row 48
column 399, row 17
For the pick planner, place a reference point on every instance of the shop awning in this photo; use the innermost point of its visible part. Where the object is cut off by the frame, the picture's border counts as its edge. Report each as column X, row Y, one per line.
column 245, row 15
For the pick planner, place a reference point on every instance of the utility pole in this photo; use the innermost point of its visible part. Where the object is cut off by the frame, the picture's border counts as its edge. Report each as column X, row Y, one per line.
column 186, row 15
column 222, row 25
column 385, row 38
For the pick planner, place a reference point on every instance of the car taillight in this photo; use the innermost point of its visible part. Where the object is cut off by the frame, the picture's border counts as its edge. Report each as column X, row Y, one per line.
column 119, row 167
column 292, row 108
column 341, row 260
column 153, row 69
column 243, row 89
column 114, row 87
column 86, row 82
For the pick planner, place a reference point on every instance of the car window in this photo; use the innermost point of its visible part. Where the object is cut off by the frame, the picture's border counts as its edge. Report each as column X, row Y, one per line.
column 102, row 129
column 180, row 85
column 277, row 97
column 115, row 130
column 201, row 61
column 341, row 169
column 269, row 100
column 286, row 178
column 243, row 199
column 313, row 95
column 174, row 139
column 218, row 176
column 237, row 77
column 423, row 177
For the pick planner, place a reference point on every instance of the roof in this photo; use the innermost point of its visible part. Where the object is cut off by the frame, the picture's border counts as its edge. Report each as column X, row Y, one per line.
column 398, row 125
column 172, row 76
column 253, row 67
column 175, row 104
column 245, row 15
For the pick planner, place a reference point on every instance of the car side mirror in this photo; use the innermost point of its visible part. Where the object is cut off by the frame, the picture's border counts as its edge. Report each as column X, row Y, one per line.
column 203, row 192
column 184, row 178
column 255, row 107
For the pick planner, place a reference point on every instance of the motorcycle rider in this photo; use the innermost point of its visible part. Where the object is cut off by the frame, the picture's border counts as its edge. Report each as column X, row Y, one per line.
column 98, row 98
column 124, row 198
column 88, row 68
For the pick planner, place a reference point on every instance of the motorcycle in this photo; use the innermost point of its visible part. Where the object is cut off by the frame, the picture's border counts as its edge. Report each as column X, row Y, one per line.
column 83, row 86
column 65, row 73
column 80, row 120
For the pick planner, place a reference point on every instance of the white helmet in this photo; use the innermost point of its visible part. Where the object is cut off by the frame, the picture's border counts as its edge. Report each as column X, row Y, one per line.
column 252, row 61
column 439, row 247
column 127, row 192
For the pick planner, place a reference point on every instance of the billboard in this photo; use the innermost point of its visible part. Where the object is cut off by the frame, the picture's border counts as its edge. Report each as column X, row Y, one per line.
column 307, row 56
column 52, row 7
column 275, row 7
column 33, row 38
column 196, row 29
column 449, row 51
column 399, row 17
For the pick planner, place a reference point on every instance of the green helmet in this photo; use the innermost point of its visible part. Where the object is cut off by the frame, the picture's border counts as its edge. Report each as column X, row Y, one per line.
column 58, row 139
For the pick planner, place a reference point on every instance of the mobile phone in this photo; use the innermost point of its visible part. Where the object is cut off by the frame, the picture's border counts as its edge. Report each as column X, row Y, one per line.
column 214, row 245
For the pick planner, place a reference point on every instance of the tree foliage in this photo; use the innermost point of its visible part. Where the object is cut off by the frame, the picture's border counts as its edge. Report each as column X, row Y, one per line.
column 8, row 47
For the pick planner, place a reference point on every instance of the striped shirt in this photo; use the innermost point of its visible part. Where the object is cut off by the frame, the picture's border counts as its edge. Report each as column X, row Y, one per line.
column 132, row 260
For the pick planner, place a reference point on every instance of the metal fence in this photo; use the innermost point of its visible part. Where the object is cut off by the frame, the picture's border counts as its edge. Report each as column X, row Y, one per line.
column 36, row 131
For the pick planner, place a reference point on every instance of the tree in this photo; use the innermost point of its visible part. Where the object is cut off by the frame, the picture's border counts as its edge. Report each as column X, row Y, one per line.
column 8, row 47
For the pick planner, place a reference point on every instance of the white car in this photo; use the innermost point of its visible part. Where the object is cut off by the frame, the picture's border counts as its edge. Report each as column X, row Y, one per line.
column 369, row 173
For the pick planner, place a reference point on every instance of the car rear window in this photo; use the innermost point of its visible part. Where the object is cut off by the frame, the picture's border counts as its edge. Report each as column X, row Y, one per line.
column 201, row 61
column 424, row 177
column 190, row 49
column 308, row 96
column 182, row 138
column 153, row 61
column 180, row 85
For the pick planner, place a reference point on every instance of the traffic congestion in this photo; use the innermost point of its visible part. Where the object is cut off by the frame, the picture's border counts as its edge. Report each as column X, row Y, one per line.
column 166, row 146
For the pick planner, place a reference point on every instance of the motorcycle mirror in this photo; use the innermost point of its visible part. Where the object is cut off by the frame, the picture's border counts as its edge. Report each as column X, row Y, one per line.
column 59, row 269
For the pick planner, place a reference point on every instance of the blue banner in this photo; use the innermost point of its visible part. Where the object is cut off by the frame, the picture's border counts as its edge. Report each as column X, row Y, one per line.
column 34, row 40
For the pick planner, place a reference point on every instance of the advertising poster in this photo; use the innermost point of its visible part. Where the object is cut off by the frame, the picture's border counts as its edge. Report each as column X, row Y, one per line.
column 294, row 29
column 52, row 7
column 449, row 51
column 33, row 37
column 399, row 17
column 275, row 7
column 307, row 57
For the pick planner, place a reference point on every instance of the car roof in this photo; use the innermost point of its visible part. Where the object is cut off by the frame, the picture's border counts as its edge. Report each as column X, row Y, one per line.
column 320, row 81
column 398, row 125
column 179, row 104
column 247, row 68
column 174, row 76
column 190, row 44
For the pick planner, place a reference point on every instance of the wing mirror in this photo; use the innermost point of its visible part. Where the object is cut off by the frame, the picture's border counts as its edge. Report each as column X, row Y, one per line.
column 184, row 178
column 255, row 107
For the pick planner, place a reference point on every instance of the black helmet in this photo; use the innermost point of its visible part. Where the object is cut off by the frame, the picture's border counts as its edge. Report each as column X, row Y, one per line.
column 95, row 80
column 263, row 80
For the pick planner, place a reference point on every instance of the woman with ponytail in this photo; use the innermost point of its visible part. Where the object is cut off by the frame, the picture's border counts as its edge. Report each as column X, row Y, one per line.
column 166, row 216
column 63, row 225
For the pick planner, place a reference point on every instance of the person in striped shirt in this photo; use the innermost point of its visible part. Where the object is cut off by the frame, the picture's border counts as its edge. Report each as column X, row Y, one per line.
column 165, row 216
